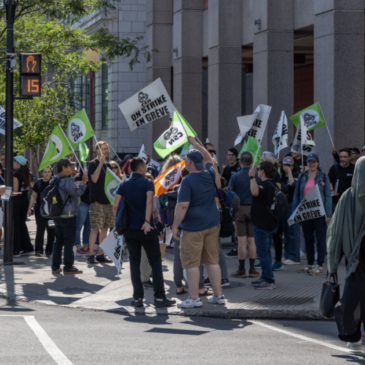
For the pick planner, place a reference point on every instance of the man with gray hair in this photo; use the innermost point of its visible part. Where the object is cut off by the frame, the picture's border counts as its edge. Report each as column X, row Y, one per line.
column 198, row 215
column 269, row 156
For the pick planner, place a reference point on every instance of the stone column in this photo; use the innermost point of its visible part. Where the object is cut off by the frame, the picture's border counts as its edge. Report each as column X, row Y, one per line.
column 224, row 74
column 339, row 75
column 273, row 64
column 159, row 36
column 187, row 60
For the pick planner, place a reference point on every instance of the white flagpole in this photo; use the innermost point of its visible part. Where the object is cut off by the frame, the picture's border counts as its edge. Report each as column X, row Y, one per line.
column 301, row 141
column 72, row 150
column 326, row 125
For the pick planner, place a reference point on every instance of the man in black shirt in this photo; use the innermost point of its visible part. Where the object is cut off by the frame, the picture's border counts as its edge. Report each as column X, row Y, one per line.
column 101, row 211
column 355, row 155
column 233, row 166
column 298, row 160
column 340, row 176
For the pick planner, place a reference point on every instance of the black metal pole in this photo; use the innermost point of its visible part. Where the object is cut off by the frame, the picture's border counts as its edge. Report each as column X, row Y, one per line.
column 9, row 221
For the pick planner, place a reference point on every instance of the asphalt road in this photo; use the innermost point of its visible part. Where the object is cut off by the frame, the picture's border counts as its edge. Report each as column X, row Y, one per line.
column 40, row 334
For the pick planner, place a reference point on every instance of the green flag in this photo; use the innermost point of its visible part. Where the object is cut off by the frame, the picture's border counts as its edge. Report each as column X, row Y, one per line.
column 61, row 148
column 251, row 145
column 175, row 137
column 79, row 129
column 84, row 152
column 111, row 184
column 313, row 117
column 185, row 150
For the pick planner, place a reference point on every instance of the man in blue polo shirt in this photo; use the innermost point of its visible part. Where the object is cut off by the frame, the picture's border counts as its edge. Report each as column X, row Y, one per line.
column 138, row 193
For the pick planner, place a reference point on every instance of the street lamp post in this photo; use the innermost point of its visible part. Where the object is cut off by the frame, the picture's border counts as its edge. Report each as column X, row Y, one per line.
column 10, row 6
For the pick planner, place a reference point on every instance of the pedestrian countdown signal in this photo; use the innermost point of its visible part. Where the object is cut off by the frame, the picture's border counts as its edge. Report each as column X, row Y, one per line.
column 30, row 74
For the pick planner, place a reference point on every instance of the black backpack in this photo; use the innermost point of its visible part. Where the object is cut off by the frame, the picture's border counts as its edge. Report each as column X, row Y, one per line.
column 51, row 202
column 281, row 204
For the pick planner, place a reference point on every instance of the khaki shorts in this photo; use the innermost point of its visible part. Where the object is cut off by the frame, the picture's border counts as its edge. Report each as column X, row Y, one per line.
column 101, row 216
column 243, row 222
column 199, row 247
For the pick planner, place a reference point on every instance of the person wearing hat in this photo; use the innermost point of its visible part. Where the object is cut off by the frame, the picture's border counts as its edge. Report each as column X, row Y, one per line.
column 21, row 183
column 318, row 226
column 198, row 216
column 65, row 225
column 291, row 233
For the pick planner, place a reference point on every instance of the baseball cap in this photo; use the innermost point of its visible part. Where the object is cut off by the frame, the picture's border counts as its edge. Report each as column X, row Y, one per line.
column 313, row 157
column 197, row 158
column 355, row 149
column 64, row 162
column 288, row 160
column 21, row 159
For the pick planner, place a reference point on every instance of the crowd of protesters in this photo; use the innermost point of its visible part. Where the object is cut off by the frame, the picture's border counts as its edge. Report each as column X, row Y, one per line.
column 194, row 230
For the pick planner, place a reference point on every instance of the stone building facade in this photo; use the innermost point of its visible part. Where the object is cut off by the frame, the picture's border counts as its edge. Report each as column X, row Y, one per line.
column 219, row 59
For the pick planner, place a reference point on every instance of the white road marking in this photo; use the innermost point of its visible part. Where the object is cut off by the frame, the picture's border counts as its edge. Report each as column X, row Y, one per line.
column 304, row 338
column 46, row 341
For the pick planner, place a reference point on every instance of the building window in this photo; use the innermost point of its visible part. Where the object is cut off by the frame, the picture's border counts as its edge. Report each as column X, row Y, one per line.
column 104, row 96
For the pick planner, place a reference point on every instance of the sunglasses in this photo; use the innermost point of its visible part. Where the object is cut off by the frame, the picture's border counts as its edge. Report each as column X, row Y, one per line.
column 114, row 168
column 211, row 151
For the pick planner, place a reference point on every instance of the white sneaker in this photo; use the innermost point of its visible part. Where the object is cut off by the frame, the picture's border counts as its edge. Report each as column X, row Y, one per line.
column 217, row 300
column 317, row 270
column 190, row 303
column 303, row 256
column 290, row 262
column 355, row 346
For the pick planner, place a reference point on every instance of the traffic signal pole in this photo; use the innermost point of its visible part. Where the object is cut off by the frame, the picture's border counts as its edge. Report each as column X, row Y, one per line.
column 10, row 6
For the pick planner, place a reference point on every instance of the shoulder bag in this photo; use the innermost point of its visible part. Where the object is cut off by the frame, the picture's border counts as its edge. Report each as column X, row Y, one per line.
column 330, row 296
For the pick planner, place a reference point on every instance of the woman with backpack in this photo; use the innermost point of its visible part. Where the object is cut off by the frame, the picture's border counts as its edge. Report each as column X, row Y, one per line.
column 21, row 183
column 317, row 226
column 42, row 223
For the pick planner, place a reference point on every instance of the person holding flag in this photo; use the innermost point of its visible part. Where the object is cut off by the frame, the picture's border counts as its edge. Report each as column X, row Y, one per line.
column 101, row 211
column 317, row 226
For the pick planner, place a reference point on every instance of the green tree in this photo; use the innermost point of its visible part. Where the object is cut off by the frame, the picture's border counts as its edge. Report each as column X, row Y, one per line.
column 51, row 28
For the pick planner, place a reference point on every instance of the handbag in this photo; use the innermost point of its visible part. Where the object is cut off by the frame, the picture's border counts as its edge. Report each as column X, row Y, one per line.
column 122, row 219
column 330, row 296
column 227, row 227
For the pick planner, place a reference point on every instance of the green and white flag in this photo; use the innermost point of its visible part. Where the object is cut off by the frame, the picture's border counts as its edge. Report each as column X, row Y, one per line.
column 175, row 136
column 251, row 145
column 112, row 182
column 84, row 152
column 185, row 150
column 60, row 148
column 79, row 129
column 312, row 116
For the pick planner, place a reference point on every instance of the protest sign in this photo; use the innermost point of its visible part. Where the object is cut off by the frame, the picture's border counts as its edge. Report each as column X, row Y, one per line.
column 16, row 124
column 169, row 178
column 149, row 104
column 79, row 129
column 280, row 138
column 311, row 207
column 7, row 194
column 112, row 182
column 303, row 141
column 112, row 245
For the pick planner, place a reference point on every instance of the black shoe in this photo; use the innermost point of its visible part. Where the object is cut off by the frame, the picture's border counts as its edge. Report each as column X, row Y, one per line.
column 163, row 302
column 48, row 254
column 148, row 284
column 91, row 260
column 38, row 254
column 27, row 253
column 137, row 302
column 71, row 270
column 231, row 254
column 17, row 254
column 56, row 270
column 102, row 258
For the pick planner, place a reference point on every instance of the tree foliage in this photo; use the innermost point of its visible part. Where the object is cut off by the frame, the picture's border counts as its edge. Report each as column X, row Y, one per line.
column 51, row 27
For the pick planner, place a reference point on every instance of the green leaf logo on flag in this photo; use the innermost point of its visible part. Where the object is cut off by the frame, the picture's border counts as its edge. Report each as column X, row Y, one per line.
column 313, row 117
column 175, row 136
column 111, row 185
column 251, row 145
column 60, row 148
column 84, row 152
column 79, row 129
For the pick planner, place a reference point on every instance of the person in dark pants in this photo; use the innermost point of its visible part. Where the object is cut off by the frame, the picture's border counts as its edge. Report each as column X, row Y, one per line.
column 21, row 183
column 65, row 225
column 42, row 223
column 138, row 192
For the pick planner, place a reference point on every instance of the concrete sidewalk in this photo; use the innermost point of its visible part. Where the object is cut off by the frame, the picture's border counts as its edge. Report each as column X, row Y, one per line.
column 99, row 288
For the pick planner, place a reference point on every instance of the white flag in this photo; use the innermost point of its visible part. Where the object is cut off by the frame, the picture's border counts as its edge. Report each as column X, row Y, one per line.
column 254, row 125
column 280, row 138
column 16, row 124
column 311, row 207
column 155, row 164
column 238, row 139
column 151, row 103
column 112, row 245
column 142, row 154
column 304, row 137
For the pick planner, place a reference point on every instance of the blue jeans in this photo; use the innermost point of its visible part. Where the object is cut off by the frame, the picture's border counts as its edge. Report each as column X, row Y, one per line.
column 317, row 226
column 291, row 238
column 263, row 241
column 83, row 220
